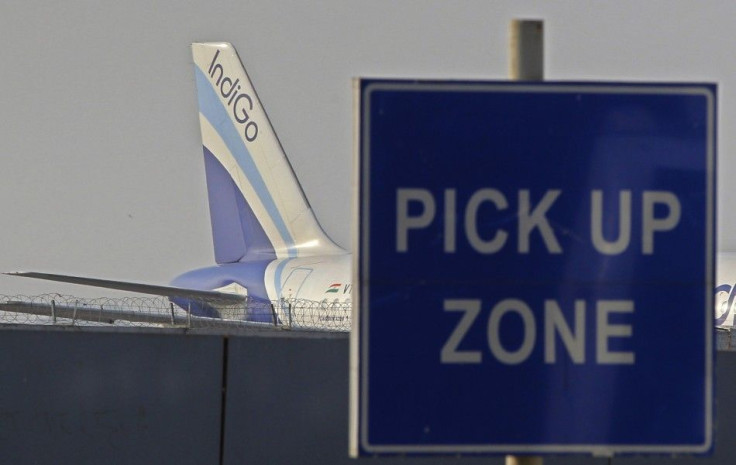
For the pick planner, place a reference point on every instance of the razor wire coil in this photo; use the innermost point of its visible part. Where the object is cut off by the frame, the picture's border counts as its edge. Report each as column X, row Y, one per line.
column 160, row 312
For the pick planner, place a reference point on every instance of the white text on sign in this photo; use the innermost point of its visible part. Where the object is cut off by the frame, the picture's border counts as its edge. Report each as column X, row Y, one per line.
column 530, row 218
column 554, row 327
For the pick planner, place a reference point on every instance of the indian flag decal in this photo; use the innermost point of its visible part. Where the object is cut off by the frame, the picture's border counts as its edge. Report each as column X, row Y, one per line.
column 333, row 288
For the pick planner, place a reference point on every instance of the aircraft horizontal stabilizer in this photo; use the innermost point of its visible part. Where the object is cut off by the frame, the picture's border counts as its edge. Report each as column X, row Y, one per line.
column 167, row 291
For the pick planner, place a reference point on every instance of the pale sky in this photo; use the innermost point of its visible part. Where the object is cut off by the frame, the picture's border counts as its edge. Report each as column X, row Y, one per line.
column 99, row 138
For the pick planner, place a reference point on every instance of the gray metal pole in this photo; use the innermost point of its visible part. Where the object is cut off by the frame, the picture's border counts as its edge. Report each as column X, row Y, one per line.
column 526, row 46
column 523, row 460
column 527, row 50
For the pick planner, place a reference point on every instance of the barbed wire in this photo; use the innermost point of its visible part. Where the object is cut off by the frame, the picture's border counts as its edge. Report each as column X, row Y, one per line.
column 160, row 312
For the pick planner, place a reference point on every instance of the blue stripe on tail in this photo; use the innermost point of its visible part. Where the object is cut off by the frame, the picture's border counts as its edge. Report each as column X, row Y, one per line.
column 228, row 234
column 213, row 110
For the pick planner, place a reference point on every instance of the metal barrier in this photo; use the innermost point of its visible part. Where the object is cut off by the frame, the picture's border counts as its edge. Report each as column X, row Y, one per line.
column 159, row 312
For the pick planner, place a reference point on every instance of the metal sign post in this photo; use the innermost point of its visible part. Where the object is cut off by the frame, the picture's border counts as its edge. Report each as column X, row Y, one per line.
column 526, row 63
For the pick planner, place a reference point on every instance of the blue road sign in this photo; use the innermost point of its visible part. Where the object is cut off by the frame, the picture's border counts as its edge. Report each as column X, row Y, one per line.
column 535, row 268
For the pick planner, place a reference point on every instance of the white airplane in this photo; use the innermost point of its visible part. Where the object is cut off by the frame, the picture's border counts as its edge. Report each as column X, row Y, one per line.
column 725, row 290
column 268, row 243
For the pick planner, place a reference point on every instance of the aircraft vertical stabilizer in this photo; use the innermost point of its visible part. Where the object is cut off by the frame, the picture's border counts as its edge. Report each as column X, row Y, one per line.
column 257, row 207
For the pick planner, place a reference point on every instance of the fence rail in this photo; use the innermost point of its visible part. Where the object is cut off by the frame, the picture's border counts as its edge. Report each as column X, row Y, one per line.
column 159, row 312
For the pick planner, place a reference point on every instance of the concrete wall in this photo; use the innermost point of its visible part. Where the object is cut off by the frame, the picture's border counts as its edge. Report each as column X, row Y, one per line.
column 133, row 398
column 117, row 398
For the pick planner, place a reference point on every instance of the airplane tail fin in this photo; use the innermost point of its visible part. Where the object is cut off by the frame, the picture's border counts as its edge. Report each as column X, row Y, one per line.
column 257, row 207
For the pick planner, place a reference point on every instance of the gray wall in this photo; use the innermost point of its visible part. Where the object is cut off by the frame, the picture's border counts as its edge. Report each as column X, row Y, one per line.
column 82, row 397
